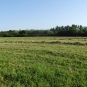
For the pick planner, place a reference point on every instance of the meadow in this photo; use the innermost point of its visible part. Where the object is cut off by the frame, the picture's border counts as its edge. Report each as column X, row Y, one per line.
column 43, row 62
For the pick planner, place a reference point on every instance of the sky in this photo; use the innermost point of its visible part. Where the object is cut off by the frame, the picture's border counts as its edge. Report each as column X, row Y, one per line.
column 41, row 14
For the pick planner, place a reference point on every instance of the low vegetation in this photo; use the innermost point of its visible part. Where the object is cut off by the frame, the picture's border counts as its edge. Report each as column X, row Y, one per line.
column 43, row 62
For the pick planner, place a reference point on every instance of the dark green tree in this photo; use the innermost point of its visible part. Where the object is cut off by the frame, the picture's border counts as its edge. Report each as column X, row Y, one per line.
column 73, row 30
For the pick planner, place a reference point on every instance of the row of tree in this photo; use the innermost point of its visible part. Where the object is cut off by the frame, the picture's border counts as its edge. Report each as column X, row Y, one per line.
column 74, row 30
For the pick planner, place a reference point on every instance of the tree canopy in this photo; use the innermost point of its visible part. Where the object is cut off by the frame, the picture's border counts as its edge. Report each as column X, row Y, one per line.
column 74, row 30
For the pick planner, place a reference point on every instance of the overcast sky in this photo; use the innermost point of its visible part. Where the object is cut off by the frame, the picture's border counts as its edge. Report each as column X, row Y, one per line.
column 41, row 14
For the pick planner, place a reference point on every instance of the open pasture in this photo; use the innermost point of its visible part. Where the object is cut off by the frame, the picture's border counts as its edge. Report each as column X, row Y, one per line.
column 43, row 62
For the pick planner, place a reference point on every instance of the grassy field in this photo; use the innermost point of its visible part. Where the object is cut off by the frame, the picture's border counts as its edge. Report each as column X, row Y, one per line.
column 43, row 62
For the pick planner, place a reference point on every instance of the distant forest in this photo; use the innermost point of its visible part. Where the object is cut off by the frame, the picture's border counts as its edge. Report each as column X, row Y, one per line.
column 74, row 30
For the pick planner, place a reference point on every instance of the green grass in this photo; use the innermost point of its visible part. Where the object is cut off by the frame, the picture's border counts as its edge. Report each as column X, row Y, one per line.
column 43, row 62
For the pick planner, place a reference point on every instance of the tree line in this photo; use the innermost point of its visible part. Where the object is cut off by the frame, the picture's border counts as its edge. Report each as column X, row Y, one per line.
column 73, row 30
